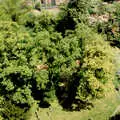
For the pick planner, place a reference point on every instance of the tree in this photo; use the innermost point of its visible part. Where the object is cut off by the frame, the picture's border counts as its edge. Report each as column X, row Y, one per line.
column 20, row 78
column 75, row 12
column 97, row 69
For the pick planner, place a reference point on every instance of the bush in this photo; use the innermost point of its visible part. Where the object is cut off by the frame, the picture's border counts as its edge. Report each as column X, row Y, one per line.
column 97, row 69
column 75, row 12
column 13, row 112
column 92, row 76
column 21, row 77
column 37, row 21
column 39, row 64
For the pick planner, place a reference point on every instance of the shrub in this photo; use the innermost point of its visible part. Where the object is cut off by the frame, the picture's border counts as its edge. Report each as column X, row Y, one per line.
column 38, row 21
column 39, row 64
column 97, row 69
column 13, row 112
column 90, row 79
column 20, row 79
column 75, row 12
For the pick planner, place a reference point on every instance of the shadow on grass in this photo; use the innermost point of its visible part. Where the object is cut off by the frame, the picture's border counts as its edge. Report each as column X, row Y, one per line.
column 116, row 117
column 67, row 94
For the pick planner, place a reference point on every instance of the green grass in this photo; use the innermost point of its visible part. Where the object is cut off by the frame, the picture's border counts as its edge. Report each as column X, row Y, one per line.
column 102, row 110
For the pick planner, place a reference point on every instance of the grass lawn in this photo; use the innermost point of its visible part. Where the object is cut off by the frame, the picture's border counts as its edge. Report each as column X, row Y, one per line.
column 102, row 110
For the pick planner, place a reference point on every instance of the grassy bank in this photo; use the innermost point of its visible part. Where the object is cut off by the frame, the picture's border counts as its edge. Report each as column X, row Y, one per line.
column 102, row 110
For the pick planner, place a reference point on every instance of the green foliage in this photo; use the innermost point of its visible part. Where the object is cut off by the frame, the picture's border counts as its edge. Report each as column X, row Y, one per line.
column 98, row 7
column 97, row 70
column 93, row 77
column 12, row 112
column 75, row 12
column 110, row 28
column 37, row 21
column 81, row 6
column 40, row 64
column 13, row 9
column 20, row 79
